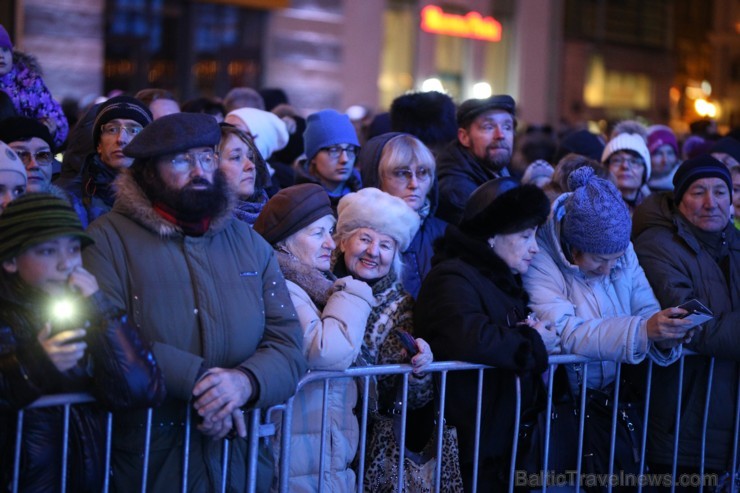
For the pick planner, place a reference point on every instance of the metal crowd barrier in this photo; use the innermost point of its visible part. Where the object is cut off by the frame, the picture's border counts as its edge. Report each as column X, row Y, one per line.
column 264, row 427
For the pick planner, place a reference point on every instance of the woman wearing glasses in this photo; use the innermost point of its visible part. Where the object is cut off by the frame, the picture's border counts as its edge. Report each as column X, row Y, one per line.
column 627, row 159
column 401, row 165
column 331, row 147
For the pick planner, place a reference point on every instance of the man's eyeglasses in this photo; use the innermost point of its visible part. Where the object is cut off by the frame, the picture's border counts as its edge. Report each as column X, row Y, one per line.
column 114, row 129
column 336, row 151
column 184, row 162
column 632, row 162
column 44, row 158
column 402, row 176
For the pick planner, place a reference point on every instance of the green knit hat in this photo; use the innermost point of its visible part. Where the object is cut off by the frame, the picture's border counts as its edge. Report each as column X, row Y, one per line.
column 35, row 218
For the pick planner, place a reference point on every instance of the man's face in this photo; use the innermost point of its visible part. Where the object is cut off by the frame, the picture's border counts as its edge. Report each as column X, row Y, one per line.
column 37, row 158
column 490, row 138
column 114, row 136
column 706, row 204
column 191, row 170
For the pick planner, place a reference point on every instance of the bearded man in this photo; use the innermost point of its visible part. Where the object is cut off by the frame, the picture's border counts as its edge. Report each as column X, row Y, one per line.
column 481, row 152
column 208, row 292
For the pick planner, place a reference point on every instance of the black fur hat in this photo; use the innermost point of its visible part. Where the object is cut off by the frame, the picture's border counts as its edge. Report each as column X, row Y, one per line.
column 428, row 116
column 503, row 206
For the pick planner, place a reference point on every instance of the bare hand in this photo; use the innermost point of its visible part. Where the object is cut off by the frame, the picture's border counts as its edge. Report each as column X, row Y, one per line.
column 83, row 282
column 219, row 393
column 221, row 428
column 423, row 358
column 549, row 336
column 60, row 349
column 664, row 327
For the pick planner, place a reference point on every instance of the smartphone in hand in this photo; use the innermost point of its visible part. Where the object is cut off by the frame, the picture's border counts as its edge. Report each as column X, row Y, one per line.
column 696, row 312
column 408, row 342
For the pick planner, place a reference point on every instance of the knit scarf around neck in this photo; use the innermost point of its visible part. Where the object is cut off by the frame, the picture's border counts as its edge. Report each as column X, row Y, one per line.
column 189, row 226
column 248, row 210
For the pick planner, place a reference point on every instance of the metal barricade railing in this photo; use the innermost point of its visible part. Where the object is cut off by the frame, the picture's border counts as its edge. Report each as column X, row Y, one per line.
column 259, row 429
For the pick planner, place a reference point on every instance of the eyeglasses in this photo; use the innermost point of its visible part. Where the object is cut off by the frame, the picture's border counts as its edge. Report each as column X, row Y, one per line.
column 44, row 158
column 114, row 129
column 632, row 162
column 336, row 151
column 403, row 176
column 182, row 163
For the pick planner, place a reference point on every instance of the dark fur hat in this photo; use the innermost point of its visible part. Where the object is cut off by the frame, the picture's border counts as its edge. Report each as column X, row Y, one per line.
column 428, row 116
column 503, row 206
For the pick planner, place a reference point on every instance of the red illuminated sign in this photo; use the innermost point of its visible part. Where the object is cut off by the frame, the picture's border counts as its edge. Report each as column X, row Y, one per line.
column 471, row 25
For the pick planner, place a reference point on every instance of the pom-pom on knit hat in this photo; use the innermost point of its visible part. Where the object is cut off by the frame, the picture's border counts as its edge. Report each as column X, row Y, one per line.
column 35, row 218
column 327, row 128
column 292, row 209
column 596, row 218
column 379, row 211
column 629, row 142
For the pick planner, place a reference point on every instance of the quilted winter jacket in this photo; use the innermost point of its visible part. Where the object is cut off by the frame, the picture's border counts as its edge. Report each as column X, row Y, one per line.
column 216, row 300
column 118, row 369
column 680, row 269
column 603, row 318
column 332, row 338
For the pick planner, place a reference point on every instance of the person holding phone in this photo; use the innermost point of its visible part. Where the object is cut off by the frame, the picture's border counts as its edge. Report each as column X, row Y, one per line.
column 41, row 240
column 690, row 249
column 472, row 307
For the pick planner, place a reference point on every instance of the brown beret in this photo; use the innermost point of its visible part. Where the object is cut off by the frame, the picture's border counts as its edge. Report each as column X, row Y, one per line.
column 174, row 133
column 292, row 209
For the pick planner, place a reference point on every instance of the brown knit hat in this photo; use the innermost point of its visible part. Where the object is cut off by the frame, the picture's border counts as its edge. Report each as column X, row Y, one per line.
column 292, row 209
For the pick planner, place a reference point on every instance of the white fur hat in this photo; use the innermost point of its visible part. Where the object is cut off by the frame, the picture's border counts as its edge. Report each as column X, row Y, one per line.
column 629, row 142
column 379, row 211
column 269, row 131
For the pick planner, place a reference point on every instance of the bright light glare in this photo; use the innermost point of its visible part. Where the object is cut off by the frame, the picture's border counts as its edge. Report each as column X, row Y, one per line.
column 482, row 90
column 63, row 310
column 705, row 108
column 432, row 84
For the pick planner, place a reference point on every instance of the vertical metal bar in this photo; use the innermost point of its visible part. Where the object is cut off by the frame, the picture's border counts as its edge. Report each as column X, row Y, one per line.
column 108, row 441
column 186, row 448
column 515, row 444
column 736, row 435
column 324, row 420
column 645, row 423
column 254, row 441
column 147, row 448
column 402, row 444
column 710, row 378
column 440, row 430
column 17, row 458
column 65, row 449
column 678, row 423
column 363, row 432
column 476, row 450
column 548, row 427
column 286, row 430
column 613, row 435
column 226, row 443
column 581, row 427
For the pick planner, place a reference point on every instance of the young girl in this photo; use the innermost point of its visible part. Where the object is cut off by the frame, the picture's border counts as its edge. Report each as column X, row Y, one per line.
column 93, row 350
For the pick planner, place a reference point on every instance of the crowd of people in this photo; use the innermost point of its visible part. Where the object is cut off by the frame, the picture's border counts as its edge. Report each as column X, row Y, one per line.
column 216, row 250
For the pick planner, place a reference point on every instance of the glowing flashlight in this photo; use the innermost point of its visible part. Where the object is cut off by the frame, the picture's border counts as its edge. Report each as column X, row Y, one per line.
column 63, row 315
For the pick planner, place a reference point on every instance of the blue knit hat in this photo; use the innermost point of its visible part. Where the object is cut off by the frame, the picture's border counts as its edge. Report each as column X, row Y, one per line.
column 327, row 128
column 596, row 218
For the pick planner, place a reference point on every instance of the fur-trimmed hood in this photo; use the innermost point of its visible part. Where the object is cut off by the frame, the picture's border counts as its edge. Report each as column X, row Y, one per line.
column 318, row 285
column 133, row 203
column 27, row 61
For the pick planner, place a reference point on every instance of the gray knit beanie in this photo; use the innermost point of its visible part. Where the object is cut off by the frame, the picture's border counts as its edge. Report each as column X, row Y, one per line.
column 596, row 218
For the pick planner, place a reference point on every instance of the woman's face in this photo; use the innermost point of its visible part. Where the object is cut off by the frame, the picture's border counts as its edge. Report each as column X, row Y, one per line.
column 313, row 244
column 626, row 170
column 596, row 265
column 663, row 160
column 47, row 266
column 235, row 160
column 368, row 254
column 410, row 182
column 517, row 250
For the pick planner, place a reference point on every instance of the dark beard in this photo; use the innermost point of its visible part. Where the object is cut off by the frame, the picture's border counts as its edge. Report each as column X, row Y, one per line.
column 498, row 164
column 189, row 203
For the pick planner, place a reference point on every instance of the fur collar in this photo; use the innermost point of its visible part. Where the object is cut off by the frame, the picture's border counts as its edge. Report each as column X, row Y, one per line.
column 134, row 204
column 318, row 285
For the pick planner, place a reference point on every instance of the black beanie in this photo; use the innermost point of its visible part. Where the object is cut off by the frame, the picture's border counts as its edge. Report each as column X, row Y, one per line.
column 20, row 128
column 704, row 166
column 120, row 107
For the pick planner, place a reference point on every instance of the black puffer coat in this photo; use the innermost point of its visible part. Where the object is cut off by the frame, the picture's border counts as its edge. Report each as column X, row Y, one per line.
column 118, row 369
column 468, row 309
column 679, row 268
